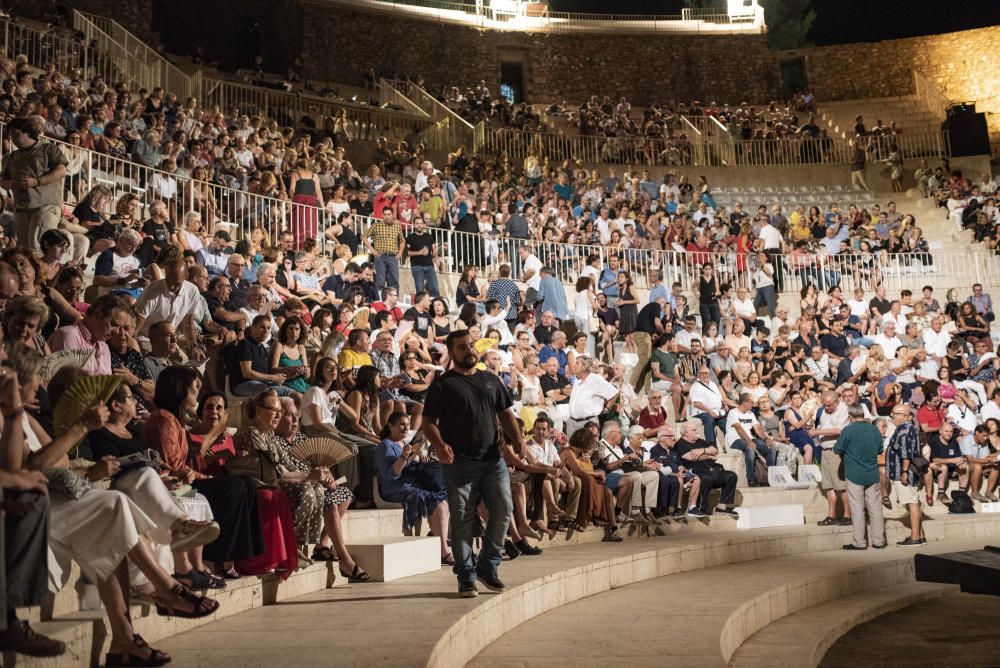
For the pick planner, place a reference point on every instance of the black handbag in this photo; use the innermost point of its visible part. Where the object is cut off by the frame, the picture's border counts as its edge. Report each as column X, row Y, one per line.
column 918, row 467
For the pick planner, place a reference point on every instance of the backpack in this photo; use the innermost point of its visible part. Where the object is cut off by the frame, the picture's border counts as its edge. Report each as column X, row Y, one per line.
column 961, row 503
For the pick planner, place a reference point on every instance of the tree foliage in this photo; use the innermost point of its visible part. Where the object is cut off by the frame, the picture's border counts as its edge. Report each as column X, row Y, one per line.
column 788, row 21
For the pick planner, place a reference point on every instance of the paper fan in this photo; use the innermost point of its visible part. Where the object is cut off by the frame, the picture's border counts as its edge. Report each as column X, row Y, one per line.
column 64, row 358
column 81, row 395
column 322, row 451
column 361, row 318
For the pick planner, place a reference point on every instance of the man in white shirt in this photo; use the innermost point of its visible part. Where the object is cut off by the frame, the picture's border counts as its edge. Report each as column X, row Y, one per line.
column 745, row 310
column 936, row 340
column 771, row 237
column 603, row 227
column 887, row 339
column 560, row 488
column 744, row 433
column 531, row 274
column 705, row 402
column 171, row 298
column 828, row 427
column 589, row 396
column 991, row 409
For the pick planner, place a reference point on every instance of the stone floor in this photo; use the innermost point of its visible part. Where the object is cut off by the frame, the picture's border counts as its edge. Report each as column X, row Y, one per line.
column 954, row 630
column 420, row 621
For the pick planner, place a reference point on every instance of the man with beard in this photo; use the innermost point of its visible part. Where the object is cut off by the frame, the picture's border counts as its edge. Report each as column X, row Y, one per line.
column 461, row 412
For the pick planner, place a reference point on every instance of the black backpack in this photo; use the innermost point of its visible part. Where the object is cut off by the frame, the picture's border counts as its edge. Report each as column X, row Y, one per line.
column 961, row 503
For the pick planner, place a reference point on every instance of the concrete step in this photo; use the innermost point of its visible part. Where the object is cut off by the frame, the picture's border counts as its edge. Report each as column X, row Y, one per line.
column 770, row 646
column 449, row 631
column 388, row 558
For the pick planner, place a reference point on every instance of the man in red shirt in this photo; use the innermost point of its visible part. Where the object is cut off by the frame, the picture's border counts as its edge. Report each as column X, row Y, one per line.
column 931, row 415
column 653, row 416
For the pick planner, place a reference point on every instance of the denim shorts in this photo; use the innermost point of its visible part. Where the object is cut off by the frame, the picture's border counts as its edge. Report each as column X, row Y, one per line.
column 614, row 480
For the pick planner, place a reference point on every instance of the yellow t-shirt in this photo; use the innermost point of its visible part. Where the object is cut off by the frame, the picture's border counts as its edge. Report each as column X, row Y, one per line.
column 350, row 359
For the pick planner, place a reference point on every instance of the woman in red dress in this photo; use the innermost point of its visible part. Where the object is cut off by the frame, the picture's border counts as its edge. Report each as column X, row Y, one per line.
column 307, row 200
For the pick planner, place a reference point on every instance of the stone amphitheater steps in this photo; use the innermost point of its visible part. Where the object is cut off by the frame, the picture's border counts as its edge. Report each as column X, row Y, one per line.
column 87, row 634
column 421, row 621
column 703, row 617
column 771, row 647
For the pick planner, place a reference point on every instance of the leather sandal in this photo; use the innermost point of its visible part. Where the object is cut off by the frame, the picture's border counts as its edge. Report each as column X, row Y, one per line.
column 155, row 658
column 202, row 606
column 357, row 575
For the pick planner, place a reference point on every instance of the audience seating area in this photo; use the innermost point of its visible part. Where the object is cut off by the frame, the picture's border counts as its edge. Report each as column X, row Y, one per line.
column 195, row 293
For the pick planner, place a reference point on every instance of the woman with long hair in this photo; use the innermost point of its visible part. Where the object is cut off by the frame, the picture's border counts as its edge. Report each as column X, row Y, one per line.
column 362, row 422
column 417, row 483
column 306, row 201
column 597, row 502
column 233, row 498
column 288, row 354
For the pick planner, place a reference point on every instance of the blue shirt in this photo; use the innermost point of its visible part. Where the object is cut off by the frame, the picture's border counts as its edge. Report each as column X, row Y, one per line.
column 548, row 352
column 609, row 275
column 552, row 296
column 661, row 291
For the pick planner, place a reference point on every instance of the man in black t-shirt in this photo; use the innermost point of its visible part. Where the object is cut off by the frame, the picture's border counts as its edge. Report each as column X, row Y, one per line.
column 555, row 386
column 222, row 310
column 362, row 205
column 700, row 457
column 461, row 413
column 421, row 249
column 545, row 329
column 157, row 231
column 648, row 326
column 420, row 314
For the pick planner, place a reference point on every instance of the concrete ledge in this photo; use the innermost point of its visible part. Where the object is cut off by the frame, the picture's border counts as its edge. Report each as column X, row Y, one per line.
column 769, row 647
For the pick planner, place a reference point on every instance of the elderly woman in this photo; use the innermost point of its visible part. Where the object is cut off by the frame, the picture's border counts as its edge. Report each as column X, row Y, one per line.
column 29, row 273
column 23, row 320
column 330, row 500
column 102, row 530
column 119, row 269
column 258, row 437
column 405, row 477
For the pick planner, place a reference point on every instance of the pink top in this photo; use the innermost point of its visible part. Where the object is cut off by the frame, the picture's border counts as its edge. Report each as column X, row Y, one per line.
column 72, row 337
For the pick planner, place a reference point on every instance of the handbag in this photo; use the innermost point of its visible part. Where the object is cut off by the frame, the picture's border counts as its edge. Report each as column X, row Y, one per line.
column 919, row 466
column 593, row 323
column 257, row 465
column 66, row 483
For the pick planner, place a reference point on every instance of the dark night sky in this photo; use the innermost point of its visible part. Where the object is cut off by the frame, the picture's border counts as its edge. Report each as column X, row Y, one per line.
column 840, row 21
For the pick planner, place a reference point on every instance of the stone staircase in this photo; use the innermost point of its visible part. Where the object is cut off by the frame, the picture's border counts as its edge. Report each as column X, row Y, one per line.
column 908, row 112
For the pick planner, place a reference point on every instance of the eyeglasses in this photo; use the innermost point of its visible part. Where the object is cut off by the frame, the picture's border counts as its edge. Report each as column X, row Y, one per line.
column 277, row 411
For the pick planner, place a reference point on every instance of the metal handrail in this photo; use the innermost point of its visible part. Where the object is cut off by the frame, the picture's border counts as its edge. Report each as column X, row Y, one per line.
column 150, row 68
column 727, row 151
column 449, row 130
column 242, row 211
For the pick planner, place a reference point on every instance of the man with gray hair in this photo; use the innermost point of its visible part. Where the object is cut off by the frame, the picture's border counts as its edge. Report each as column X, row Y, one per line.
column 619, row 460
column 859, row 445
column 831, row 419
column 590, row 394
column 531, row 274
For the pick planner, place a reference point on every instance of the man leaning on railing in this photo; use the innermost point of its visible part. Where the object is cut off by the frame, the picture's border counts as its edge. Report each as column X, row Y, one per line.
column 34, row 174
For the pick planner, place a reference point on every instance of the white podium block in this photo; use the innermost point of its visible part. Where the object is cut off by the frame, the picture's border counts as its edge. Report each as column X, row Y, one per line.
column 989, row 507
column 760, row 517
column 387, row 558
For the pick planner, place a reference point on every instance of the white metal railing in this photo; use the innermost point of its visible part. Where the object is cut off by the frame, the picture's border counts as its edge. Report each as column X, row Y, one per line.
column 240, row 211
column 535, row 17
column 449, row 130
column 720, row 149
column 365, row 121
column 44, row 47
column 138, row 64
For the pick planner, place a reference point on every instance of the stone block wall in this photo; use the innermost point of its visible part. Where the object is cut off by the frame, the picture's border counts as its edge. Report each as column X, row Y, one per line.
column 964, row 65
column 340, row 43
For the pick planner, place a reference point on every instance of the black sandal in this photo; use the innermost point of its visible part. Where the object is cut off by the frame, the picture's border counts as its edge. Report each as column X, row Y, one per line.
column 357, row 575
column 828, row 522
column 196, row 580
column 321, row 553
column 203, row 606
column 155, row 658
column 214, row 581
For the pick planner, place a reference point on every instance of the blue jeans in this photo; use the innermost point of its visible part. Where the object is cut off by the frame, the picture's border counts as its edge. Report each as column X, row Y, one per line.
column 750, row 456
column 709, row 423
column 766, row 295
column 467, row 483
column 252, row 388
column 425, row 278
column 386, row 271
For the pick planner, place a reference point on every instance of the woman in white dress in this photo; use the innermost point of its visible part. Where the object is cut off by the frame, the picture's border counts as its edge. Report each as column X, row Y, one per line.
column 585, row 306
column 102, row 530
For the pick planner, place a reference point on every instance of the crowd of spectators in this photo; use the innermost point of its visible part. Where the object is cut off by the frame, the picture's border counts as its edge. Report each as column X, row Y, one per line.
column 186, row 324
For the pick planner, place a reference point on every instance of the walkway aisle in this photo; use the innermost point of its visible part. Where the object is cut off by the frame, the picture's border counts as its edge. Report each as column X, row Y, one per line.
column 679, row 620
